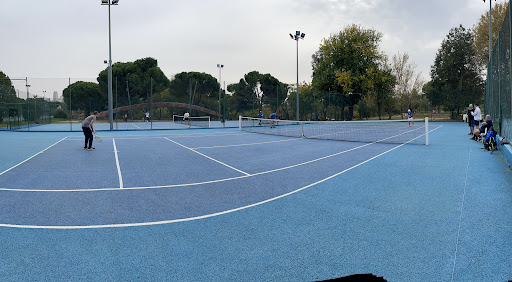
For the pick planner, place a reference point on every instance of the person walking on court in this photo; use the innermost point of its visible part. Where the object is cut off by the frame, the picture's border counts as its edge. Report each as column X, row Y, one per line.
column 88, row 129
column 272, row 117
column 147, row 116
column 409, row 117
column 186, row 117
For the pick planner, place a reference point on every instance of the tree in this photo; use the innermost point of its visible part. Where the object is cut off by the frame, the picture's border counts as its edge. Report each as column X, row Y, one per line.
column 197, row 88
column 481, row 31
column 273, row 92
column 408, row 82
column 256, row 90
column 84, row 96
column 241, row 97
column 342, row 63
column 7, row 91
column 134, row 78
column 456, row 72
column 380, row 84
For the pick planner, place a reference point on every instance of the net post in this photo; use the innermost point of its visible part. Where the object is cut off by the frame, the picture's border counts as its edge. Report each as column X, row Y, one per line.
column 240, row 123
column 426, row 130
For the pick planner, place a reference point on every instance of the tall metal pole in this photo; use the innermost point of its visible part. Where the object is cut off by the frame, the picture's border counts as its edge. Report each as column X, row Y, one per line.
column 490, row 28
column 28, row 108
column 224, row 112
column 117, row 108
column 297, row 36
column 70, row 109
column 151, row 103
column 110, row 111
column 220, row 66
column 297, row 78
column 220, row 89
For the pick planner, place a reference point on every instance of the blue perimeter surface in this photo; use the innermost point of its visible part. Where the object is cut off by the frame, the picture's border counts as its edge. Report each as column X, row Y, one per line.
column 437, row 213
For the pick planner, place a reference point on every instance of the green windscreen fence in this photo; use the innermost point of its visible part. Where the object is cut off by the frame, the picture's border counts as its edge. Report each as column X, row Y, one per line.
column 498, row 101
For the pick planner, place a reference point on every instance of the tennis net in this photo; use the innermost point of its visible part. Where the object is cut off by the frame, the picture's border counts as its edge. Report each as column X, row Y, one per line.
column 389, row 131
column 203, row 121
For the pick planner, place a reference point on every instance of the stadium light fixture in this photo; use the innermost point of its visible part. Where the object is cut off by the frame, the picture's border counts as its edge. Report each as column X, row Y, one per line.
column 298, row 35
column 110, row 100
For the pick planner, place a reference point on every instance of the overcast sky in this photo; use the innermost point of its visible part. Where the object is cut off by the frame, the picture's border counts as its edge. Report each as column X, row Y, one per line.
column 69, row 38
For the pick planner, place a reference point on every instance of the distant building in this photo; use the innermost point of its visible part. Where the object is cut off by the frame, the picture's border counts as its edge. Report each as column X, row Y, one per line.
column 56, row 97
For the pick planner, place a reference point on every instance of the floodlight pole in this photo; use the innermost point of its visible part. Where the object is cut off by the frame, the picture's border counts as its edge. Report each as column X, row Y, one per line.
column 220, row 66
column 297, row 78
column 297, row 36
column 489, row 66
column 490, row 28
column 110, row 102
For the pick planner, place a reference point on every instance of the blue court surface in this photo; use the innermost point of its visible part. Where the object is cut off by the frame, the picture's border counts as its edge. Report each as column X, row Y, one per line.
column 226, row 205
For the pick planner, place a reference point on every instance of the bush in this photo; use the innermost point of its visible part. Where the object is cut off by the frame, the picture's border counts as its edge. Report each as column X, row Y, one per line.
column 60, row 114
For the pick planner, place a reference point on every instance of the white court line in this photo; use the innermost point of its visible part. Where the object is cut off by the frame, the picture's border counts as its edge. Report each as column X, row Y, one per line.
column 459, row 223
column 118, row 167
column 207, row 157
column 134, row 137
column 33, row 156
column 197, row 217
column 198, row 183
column 192, row 135
column 135, row 126
column 248, row 144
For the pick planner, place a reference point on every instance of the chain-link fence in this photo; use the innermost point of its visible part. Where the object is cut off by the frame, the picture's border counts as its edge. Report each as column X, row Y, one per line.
column 61, row 104
column 498, row 95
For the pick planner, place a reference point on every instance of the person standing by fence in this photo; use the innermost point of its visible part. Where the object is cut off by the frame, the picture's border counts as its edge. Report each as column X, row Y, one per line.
column 471, row 119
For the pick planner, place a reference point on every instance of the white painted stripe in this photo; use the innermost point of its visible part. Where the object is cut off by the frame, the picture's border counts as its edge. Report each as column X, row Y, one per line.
column 196, row 183
column 196, row 217
column 117, row 164
column 207, row 156
column 248, row 144
column 191, row 135
column 33, row 156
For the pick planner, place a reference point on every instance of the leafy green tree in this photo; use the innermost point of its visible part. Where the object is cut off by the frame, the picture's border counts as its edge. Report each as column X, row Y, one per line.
column 256, row 90
column 134, row 80
column 7, row 91
column 408, row 82
column 84, row 96
column 201, row 89
column 433, row 94
column 343, row 61
column 273, row 92
column 241, row 98
column 481, row 31
column 456, row 72
column 380, row 84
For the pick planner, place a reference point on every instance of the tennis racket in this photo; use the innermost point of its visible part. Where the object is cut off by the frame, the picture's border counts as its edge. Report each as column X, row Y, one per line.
column 99, row 140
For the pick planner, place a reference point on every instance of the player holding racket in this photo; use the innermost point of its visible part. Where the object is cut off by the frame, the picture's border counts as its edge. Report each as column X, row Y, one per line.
column 88, row 129
column 409, row 117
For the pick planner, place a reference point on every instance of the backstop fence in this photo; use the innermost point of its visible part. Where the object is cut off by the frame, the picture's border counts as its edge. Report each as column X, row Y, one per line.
column 498, row 87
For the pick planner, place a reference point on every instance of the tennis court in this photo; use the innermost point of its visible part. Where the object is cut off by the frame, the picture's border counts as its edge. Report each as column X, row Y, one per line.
column 224, row 204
